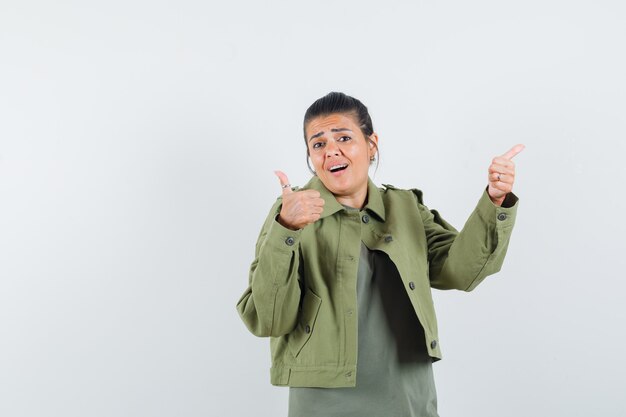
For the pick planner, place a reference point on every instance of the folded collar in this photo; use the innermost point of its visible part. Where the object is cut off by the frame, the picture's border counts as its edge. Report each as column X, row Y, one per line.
column 331, row 205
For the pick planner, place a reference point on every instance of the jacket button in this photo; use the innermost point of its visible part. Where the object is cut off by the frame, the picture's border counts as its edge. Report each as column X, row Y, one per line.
column 388, row 238
column 290, row 241
column 365, row 218
column 412, row 285
column 502, row 216
column 433, row 344
column 307, row 328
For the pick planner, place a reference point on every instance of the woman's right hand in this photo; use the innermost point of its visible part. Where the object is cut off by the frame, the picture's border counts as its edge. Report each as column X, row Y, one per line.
column 299, row 208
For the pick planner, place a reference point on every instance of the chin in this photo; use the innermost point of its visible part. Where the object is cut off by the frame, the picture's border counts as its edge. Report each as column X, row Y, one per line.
column 336, row 190
column 334, row 185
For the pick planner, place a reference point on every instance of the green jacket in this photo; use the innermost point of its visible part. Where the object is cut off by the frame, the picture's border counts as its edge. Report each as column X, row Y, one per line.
column 302, row 284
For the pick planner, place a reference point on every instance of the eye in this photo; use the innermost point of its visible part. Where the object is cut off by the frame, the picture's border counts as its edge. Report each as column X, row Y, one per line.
column 317, row 145
column 344, row 138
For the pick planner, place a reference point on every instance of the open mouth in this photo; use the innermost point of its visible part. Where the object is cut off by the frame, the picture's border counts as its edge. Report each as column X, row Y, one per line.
column 338, row 167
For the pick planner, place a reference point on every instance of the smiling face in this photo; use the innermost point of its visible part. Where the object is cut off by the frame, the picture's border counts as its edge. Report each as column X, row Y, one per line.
column 341, row 156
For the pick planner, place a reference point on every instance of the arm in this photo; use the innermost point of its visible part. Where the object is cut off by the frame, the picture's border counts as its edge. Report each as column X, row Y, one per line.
column 269, row 306
column 462, row 260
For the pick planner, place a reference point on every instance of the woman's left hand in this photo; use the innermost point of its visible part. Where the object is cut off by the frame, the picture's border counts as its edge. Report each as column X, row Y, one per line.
column 502, row 175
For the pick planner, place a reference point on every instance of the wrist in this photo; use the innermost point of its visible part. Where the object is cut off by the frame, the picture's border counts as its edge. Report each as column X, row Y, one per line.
column 497, row 201
column 284, row 224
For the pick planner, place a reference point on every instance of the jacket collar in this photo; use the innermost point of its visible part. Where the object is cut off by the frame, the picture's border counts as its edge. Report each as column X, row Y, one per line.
column 331, row 205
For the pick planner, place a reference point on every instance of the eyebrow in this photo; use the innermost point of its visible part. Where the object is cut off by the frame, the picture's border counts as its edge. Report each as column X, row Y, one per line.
column 341, row 129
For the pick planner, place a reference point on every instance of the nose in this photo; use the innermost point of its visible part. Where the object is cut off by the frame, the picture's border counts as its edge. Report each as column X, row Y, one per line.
column 332, row 149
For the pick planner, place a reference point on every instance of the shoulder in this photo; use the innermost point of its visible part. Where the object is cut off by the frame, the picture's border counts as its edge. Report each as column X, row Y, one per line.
column 393, row 190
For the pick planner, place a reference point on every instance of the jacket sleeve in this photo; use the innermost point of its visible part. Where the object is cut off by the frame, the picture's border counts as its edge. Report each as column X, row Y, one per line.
column 269, row 306
column 462, row 260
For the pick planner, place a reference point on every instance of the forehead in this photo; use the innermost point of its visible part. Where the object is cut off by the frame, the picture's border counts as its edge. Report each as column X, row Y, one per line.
column 336, row 120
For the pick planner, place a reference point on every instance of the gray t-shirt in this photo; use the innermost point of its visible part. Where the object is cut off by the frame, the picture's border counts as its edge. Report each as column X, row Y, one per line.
column 394, row 375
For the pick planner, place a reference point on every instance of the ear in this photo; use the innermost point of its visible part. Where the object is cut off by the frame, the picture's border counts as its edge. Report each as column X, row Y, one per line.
column 373, row 142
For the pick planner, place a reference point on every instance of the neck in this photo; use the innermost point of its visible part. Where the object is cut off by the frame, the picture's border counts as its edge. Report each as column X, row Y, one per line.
column 356, row 200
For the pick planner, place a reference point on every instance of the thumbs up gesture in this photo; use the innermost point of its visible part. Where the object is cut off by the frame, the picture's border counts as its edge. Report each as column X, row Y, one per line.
column 299, row 208
column 502, row 175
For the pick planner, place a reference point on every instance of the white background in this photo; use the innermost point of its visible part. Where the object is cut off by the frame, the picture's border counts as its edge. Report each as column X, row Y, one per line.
column 137, row 144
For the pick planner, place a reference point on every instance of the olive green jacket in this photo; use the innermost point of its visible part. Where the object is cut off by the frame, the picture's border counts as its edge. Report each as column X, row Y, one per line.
column 302, row 284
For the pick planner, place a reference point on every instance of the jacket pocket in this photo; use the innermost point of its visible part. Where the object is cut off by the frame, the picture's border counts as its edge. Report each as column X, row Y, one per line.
column 306, row 322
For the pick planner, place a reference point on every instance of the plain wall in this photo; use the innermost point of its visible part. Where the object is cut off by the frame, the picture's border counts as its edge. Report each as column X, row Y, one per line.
column 137, row 146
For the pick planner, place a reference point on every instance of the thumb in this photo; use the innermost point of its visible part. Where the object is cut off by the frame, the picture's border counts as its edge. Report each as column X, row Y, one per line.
column 284, row 182
column 514, row 151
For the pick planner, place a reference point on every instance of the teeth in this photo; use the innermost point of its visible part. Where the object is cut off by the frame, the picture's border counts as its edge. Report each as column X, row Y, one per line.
column 338, row 166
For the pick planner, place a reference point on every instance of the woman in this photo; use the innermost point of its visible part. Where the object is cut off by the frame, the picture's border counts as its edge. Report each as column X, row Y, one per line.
column 343, row 269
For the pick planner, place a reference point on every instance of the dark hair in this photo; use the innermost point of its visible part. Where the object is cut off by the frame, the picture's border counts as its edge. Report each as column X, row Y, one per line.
column 336, row 102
